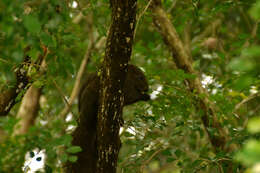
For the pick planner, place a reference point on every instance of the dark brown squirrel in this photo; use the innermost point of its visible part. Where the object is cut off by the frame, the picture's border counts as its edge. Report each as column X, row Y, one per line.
column 135, row 89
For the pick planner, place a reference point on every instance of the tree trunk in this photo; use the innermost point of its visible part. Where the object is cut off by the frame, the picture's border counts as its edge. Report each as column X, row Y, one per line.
column 114, row 69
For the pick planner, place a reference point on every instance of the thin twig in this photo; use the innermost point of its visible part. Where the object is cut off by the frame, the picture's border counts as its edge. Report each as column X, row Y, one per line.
column 252, row 96
column 172, row 6
column 253, row 34
column 208, row 31
column 139, row 17
column 81, row 71
column 5, row 61
column 150, row 158
column 256, row 109
column 60, row 92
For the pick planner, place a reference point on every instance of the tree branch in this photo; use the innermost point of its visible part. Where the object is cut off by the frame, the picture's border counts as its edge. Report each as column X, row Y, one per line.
column 28, row 110
column 150, row 158
column 218, row 138
column 252, row 96
column 23, row 82
column 82, row 69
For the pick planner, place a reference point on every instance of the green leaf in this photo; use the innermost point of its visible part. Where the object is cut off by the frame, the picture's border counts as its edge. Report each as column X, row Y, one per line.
column 178, row 153
column 170, row 159
column 33, row 53
column 18, row 55
column 251, row 52
column 32, row 24
column 73, row 158
column 196, row 163
column 74, row 149
column 69, row 38
column 243, row 82
column 167, row 152
column 64, row 140
column 255, row 11
column 39, row 83
column 127, row 134
column 64, row 157
column 250, row 154
column 254, row 125
column 240, row 64
column 48, row 40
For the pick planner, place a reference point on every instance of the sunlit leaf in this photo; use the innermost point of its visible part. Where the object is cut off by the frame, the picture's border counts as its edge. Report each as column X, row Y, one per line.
column 32, row 24
column 254, row 125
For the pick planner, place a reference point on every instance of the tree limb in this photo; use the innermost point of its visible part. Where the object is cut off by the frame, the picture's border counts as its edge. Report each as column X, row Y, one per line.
column 81, row 71
column 28, row 110
column 23, row 81
column 209, row 118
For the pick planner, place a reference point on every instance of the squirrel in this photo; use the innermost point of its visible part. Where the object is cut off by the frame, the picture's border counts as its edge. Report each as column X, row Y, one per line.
column 135, row 89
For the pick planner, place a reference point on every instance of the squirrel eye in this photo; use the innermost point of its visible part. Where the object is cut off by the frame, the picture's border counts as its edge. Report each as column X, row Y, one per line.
column 31, row 154
column 38, row 159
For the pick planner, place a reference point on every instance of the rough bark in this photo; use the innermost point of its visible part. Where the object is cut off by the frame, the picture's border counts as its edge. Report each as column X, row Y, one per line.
column 23, row 81
column 7, row 97
column 219, row 137
column 118, row 52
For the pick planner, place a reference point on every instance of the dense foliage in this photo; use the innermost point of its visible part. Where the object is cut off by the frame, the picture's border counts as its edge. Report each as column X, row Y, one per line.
column 166, row 133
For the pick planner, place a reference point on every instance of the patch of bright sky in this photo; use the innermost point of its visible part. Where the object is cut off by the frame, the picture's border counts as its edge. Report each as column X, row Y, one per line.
column 121, row 130
column 206, row 80
column 209, row 56
column 43, row 122
column 68, row 117
column 74, row 4
column 70, row 128
column 131, row 130
column 253, row 90
column 155, row 93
